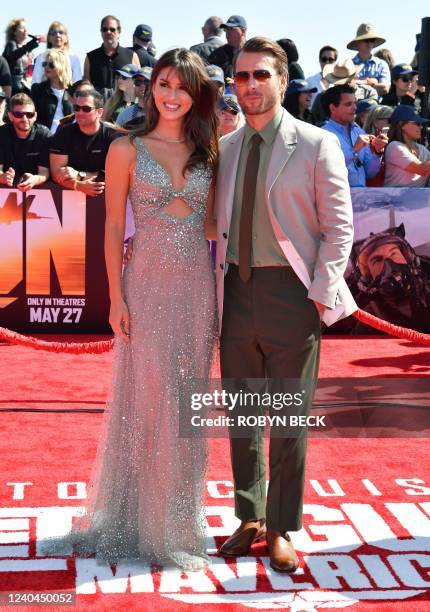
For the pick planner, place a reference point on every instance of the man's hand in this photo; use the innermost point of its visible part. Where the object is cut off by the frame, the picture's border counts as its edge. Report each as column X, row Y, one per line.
column 379, row 142
column 27, row 182
column 7, row 177
column 362, row 141
column 321, row 308
column 91, row 187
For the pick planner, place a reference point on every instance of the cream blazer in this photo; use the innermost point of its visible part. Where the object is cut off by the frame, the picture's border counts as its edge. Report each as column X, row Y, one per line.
column 309, row 203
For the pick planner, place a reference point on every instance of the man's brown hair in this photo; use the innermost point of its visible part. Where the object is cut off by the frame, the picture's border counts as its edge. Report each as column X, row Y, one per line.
column 261, row 44
column 20, row 99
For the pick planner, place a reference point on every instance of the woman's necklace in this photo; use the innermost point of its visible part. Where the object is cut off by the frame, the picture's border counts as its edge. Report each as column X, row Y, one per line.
column 171, row 140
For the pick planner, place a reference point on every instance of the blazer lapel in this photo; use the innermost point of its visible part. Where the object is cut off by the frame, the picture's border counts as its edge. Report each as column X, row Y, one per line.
column 227, row 180
column 283, row 147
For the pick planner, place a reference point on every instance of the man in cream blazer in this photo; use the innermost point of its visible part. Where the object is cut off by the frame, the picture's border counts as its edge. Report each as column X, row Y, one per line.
column 270, row 315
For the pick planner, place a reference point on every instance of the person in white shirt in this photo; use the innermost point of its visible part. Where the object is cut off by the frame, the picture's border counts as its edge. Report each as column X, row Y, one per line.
column 57, row 38
column 407, row 163
column 327, row 55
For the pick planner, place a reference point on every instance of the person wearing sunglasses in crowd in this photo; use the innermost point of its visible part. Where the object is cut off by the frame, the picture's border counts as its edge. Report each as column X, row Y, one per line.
column 17, row 53
column 78, row 150
column 235, row 32
column 51, row 97
column 23, row 146
column 373, row 70
column 123, row 93
column 362, row 161
column 134, row 114
column 100, row 64
column 230, row 116
column 407, row 162
column 404, row 87
column 57, row 38
column 327, row 55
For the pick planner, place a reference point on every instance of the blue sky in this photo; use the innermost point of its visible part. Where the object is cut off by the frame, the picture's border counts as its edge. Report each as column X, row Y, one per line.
column 310, row 24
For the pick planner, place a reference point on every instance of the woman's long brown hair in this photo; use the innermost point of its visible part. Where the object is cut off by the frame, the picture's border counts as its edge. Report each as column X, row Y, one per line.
column 201, row 123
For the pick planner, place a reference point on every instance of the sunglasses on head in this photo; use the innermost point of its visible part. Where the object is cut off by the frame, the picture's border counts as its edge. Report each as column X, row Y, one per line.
column 327, row 60
column 112, row 30
column 139, row 82
column 48, row 65
column 85, row 109
column 22, row 114
column 259, row 75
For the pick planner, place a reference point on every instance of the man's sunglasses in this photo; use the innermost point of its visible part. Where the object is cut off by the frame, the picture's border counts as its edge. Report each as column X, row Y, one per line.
column 327, row 60
column 139, row 82
column 48, row 64
column 22, row 114
column 259, row 75
column 407, row 79
column 112, row 30
column 85, row 109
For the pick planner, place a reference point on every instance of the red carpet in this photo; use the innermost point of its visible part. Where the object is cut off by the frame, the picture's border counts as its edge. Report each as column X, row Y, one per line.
column 366, row 537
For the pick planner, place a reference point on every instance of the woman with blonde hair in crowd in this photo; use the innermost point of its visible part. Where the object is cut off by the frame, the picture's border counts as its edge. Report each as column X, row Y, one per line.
column 123, row 93
column 377, row 121
column 17, row 53
column 57, row 38
column 51, row 97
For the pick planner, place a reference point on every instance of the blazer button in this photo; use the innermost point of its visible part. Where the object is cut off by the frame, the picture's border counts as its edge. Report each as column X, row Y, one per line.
column 221, row 266
column 224, row 235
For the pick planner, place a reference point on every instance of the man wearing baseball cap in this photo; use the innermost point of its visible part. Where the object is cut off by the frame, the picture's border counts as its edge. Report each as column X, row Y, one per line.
column 142, row 38
column 235, row 32
column 134, row 114
column 373, row 71
column 216, row 74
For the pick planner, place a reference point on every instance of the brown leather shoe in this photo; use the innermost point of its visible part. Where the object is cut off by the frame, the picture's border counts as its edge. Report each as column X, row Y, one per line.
column 240, row 542
column 283, row 557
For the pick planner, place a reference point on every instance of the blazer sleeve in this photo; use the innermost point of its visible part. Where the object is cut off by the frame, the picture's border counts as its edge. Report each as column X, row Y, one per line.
column 334, row 209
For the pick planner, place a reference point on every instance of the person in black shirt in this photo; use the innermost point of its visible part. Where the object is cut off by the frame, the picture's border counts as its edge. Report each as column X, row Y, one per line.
column 5, row 77
column 23, row 146
column 212, row 33
column 235, row 32
column 142, row 37
column 78, row 150
column 101, row 63
column 18, row 53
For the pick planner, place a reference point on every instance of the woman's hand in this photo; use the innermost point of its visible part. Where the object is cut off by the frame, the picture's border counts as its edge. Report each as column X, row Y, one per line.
column 119, row 319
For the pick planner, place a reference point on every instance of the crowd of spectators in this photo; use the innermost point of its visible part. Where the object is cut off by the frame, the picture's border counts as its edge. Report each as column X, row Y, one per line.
column 58, row 118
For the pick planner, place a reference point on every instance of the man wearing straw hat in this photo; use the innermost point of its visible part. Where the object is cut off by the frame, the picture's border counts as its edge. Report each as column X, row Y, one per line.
column 374, row 71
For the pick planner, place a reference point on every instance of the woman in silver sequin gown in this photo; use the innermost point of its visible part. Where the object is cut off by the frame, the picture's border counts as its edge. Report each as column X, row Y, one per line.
column 146, row 500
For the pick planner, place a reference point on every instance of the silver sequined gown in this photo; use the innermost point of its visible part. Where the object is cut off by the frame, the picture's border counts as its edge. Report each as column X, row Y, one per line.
column 146, row 501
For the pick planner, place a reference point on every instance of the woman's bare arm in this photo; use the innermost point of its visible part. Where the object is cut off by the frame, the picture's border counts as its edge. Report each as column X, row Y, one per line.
column 119, row 162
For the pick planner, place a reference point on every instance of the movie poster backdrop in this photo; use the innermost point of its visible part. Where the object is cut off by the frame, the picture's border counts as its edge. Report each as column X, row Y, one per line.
column 53, row 274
